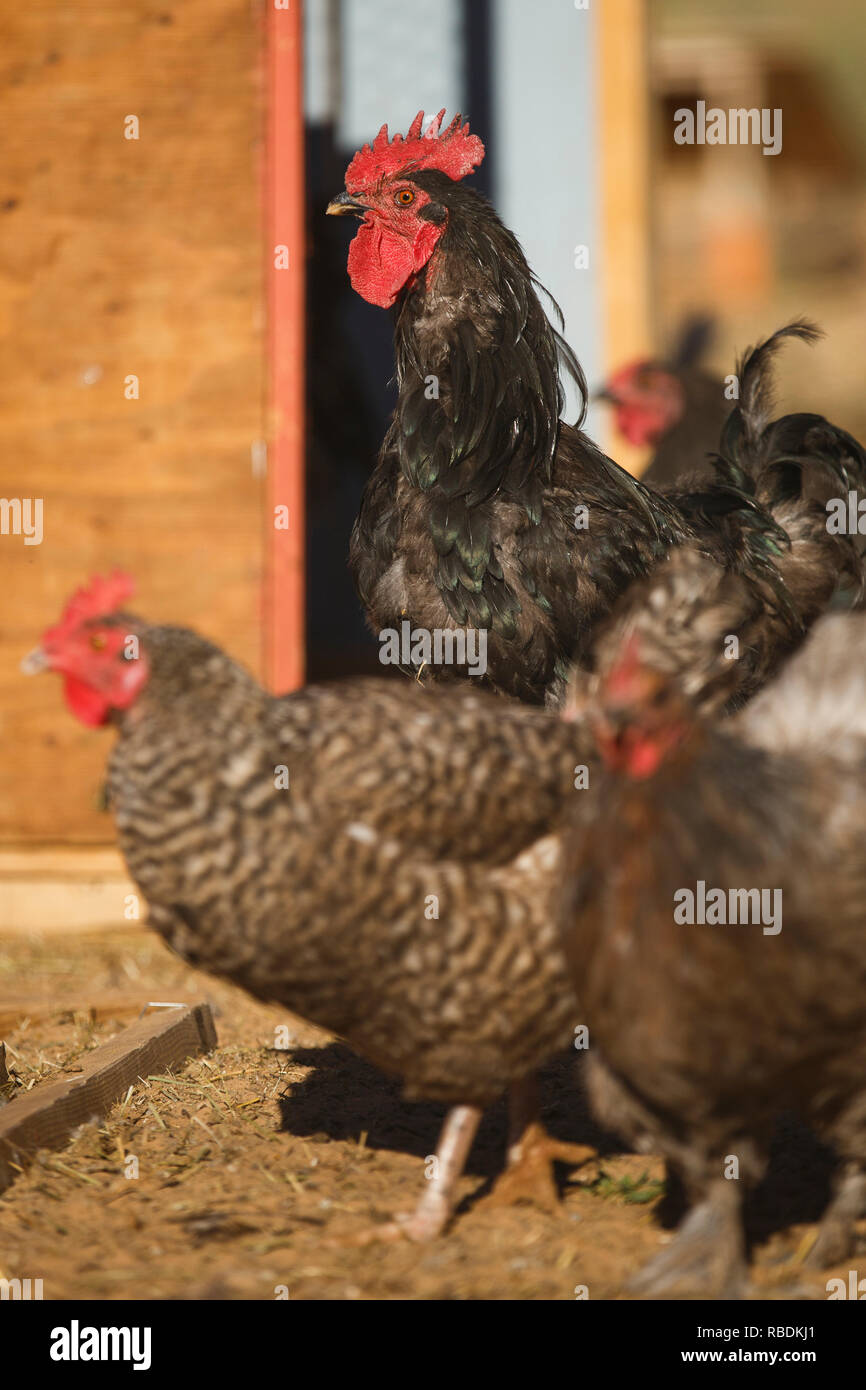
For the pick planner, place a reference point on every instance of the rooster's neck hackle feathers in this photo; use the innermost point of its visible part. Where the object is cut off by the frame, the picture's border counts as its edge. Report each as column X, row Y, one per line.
column 476, row 323
column 478, row 413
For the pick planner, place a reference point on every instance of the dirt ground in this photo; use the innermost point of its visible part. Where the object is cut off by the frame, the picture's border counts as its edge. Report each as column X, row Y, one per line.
column 258, row 1165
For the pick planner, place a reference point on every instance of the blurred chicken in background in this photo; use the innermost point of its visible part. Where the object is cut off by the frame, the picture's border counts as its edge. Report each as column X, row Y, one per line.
column 673, row 406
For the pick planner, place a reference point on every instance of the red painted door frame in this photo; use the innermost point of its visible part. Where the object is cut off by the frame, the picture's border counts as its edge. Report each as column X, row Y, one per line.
column 284, row 606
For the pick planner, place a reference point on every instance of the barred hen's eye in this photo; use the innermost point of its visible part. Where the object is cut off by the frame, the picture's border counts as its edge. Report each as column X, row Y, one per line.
column 404, row 198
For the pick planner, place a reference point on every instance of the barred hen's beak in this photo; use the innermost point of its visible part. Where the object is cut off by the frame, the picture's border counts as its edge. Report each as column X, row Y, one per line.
column 345, row 204
column 34, row 662
column 604, row 394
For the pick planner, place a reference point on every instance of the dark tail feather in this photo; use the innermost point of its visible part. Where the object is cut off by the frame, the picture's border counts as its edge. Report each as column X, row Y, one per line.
column 796, row 466
column 757, row 384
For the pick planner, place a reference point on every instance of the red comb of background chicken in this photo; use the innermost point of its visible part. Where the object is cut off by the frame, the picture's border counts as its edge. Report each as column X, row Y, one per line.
column 98, row 598
column 455, row 152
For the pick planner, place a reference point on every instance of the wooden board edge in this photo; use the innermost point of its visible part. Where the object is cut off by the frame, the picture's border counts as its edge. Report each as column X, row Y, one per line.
column 46, row 1117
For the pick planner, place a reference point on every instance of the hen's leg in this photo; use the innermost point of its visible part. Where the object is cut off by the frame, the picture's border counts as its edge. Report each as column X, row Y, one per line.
column 532, row 1153
column 836, row 1234
column 846, row 1130
column 707, row 1256
column 439, row 1197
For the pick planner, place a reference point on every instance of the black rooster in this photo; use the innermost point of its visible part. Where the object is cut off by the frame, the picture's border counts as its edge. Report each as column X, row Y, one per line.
column 487, row 512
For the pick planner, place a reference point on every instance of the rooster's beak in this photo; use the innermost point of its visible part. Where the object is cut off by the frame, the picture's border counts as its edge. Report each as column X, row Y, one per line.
column 345, row 204
column 605, row 394
column 35, row 662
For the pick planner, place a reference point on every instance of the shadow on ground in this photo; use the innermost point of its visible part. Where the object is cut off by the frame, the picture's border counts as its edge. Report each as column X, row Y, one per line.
column 342, row 1097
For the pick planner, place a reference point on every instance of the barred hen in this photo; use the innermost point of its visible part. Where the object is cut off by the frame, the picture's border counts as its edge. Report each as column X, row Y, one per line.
column 485, row 511
column 703, row 1032
column 373, row 856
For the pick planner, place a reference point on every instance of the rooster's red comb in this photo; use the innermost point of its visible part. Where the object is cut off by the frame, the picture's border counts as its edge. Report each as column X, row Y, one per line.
column 96, row 600
column 455, row 152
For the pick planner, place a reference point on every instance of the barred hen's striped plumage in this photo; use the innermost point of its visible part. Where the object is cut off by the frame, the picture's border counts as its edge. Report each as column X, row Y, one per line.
column 315, row 896
column 399, row 891
column 704, row 1033
column 470, row 517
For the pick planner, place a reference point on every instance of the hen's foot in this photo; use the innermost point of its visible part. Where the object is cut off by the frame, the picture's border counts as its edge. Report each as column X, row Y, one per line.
column 417, row 1226
column 529, row 1176
column 442, row 1172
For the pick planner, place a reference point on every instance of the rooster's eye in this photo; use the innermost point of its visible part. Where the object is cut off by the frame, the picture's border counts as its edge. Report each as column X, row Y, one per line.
column 404, row 197
column 97, row 642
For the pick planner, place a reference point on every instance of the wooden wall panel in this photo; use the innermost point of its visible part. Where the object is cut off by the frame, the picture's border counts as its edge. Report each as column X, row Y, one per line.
column 623, row 115
column 123, row 257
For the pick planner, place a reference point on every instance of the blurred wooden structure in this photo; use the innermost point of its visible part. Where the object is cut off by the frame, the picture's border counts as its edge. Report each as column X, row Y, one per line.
column 59, row 889
column 133, row 352
column 623, row 96
column 722, row 215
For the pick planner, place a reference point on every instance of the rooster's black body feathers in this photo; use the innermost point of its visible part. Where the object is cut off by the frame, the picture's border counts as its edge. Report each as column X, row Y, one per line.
column 486, row 511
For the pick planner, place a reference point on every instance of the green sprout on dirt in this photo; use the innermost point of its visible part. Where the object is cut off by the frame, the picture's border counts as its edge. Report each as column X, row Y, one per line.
column 633, row 1190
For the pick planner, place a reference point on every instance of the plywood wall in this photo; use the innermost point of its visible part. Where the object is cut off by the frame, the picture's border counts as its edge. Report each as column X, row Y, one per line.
column 622, row 67
column 125, row 257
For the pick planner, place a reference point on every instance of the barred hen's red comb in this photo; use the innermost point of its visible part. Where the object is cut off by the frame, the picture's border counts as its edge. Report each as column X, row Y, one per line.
column 455, row 152
column 99, row 598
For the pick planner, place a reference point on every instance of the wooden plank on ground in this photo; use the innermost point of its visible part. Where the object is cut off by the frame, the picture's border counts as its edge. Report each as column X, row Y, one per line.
column 46, row 1117
column 7, row 1083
